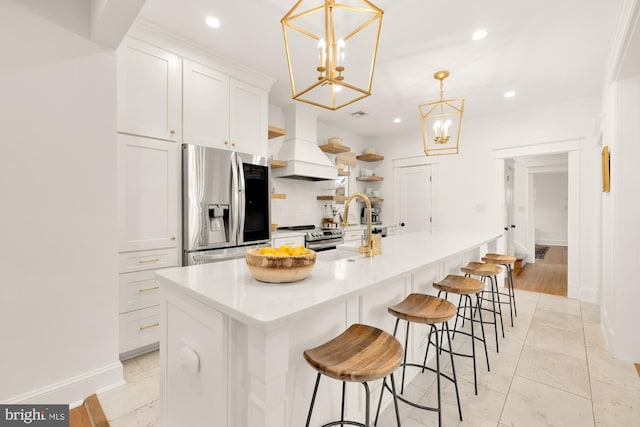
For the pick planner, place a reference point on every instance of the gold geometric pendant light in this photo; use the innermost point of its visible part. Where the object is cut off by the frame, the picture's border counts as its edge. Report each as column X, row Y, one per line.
column 441, row 122
column 331, row 50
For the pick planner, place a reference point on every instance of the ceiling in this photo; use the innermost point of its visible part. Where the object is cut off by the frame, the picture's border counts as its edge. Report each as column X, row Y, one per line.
column 544, row 50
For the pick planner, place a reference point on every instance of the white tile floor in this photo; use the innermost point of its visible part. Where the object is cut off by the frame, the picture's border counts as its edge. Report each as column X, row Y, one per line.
column 552, row 370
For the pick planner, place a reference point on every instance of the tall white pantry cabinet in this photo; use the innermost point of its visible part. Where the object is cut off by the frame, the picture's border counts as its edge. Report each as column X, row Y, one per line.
column 161, row 104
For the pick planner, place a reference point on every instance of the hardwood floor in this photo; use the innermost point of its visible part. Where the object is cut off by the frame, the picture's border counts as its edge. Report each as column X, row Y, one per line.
column 547, row 275
column 89, row 414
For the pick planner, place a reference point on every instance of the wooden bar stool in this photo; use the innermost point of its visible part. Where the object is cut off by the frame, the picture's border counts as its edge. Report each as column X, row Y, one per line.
column 490, row 272
column 505, row 261
column 430, row 310
column 360, row 354
column 465, row 287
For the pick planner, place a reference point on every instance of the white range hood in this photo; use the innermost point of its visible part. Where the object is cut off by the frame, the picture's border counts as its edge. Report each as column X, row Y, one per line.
column 304, row 159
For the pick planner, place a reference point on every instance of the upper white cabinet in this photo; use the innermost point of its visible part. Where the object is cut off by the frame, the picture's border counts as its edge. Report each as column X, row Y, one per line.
column 148, row 90
column 147, row 193
column 248, row 118
column 205, row 106
column 222, row 112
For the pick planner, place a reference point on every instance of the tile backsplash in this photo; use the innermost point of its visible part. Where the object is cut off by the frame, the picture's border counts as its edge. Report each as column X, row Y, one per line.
column 301, row 206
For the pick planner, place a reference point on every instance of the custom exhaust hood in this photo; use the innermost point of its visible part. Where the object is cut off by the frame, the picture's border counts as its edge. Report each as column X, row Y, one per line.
column 304, row 159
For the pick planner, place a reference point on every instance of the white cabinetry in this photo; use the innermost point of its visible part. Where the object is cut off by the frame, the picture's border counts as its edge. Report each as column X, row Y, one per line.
column 148, row 90
column 162, row 104
column 205, row 106
column 292, row 240
column 147, row 226
column 222, row 112
column 352, row 235
column 147, row 193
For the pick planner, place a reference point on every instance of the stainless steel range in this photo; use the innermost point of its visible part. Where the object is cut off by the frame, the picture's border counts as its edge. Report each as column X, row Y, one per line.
column 317, row 238
column 323, row 239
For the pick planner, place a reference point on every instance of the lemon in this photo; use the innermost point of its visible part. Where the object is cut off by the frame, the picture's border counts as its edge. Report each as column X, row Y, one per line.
column 280, row 253
column 298, row 248
column 267, row 251
column 285, row 248
column 299, row 252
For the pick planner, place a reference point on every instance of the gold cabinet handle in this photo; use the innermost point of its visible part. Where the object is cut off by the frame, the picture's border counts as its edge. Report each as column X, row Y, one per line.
column 146, row 261
column 153, row 288
column 153, row 325
column 233, row 144
column 173, row 237
column 226, row 142
column 172, row 132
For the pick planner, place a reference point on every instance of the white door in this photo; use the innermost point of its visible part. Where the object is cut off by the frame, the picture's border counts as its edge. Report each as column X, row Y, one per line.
column 205, row 106
column 510, row 225
column 248, row 118
column 147, row 193
column 148, row 91
column 413, row 201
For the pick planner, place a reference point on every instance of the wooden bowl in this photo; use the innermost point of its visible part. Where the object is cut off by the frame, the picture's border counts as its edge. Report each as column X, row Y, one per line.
column 273, row 269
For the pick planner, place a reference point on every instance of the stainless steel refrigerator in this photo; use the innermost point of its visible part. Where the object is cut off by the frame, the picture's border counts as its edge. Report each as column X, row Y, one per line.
column 226, row 203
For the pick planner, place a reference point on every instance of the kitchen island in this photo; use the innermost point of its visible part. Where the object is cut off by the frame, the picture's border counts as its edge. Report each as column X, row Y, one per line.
column 231, row 347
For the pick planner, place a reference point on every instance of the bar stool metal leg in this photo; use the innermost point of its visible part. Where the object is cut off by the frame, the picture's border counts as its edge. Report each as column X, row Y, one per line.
column 512, row 289
column 494, row 283
column 313, row 399
column 453, row 369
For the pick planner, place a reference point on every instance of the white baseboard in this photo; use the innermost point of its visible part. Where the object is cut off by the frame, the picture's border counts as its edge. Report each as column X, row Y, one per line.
column 75, row 389
column 552, row 242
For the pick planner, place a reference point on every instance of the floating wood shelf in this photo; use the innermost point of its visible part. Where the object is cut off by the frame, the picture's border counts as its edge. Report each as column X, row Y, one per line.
column 369, row 178
column 342, row 172
column 370, row 157
column 278, row 196
column 333, row 198
column 275, row 132
column 275, row 164
column 334, row 148
column 376, row 199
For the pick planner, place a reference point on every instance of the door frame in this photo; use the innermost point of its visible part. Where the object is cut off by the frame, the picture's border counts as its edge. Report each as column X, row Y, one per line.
column 416, row 161
column 509, row 208
column 572, row 147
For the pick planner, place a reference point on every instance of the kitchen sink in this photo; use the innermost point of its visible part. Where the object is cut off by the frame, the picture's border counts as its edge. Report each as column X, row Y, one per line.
column 336, row 254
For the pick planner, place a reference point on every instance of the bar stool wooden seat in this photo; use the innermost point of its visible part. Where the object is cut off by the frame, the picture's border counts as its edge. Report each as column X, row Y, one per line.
column 360, row 354
column 429, row 310
column 465, row 287
column 506, row 261
column 488, row 271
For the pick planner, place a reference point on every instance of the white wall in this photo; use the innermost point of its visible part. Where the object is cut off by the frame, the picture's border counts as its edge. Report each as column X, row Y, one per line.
column 620, row 232
column 551, row 208
column 58, row 304
column 466, row 190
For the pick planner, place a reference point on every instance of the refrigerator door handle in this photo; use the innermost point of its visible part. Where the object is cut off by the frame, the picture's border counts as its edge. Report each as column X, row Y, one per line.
column 242, row 201
column 233, row 217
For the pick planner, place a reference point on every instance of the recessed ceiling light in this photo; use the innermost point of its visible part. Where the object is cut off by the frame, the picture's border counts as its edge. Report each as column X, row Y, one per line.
column 509, row 94
column 212, row 21
column 479, row 35
column 397, row 120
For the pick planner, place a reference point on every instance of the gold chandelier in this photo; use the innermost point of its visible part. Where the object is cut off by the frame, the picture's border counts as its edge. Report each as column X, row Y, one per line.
column 441, row 122
column 331, row 50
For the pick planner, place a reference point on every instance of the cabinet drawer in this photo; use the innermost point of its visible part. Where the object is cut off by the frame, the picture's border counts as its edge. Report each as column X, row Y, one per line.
column 353, row 235
column 147, row 260
column 292, row 241
column 138, row 290
column 139, row 328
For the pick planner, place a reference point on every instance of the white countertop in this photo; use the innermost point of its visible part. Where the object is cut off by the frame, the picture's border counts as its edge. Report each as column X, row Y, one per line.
column 230, row 288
